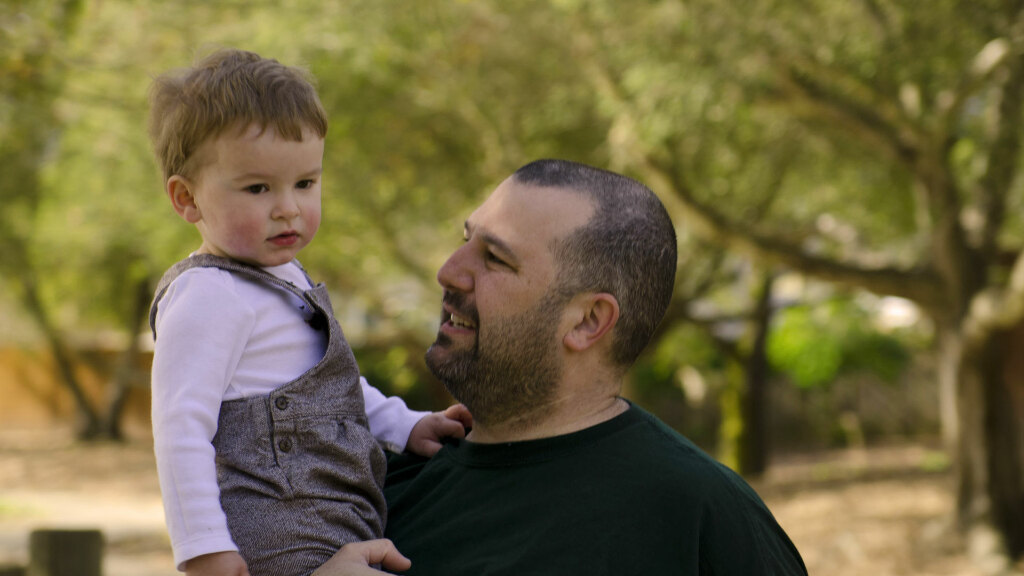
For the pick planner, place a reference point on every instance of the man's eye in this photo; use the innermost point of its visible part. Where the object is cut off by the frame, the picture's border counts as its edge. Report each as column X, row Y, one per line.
column 257, row 188
column 491, row 257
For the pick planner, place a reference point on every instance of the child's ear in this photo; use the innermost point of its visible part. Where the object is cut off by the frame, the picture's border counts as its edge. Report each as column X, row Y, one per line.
column 180, row 191
column 594, row 316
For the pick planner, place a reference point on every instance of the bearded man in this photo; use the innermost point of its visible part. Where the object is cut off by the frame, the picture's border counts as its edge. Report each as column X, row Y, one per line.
column 564, row 274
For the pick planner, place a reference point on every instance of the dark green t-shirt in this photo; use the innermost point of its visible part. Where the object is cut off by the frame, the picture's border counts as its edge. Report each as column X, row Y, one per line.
column 628, row 496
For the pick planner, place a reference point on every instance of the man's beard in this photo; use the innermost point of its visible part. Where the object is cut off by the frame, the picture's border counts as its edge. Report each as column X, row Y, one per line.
column 511, row 373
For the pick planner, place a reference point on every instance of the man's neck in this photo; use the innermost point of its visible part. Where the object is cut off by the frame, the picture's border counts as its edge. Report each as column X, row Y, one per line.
column 563, row 416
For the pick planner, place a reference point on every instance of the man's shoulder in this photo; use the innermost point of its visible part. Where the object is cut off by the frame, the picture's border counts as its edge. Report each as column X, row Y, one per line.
column 652, row 436
column 669, row 458
column 405, row 465
column 402, row 470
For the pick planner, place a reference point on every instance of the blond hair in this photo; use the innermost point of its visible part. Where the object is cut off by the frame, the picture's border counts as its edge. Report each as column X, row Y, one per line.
column 228, row 89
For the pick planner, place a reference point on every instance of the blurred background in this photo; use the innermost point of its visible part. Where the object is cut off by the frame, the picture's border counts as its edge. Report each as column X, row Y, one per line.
column 848, row 324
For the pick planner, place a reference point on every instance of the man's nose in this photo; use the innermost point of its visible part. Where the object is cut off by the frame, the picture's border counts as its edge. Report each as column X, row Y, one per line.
column 455, row 274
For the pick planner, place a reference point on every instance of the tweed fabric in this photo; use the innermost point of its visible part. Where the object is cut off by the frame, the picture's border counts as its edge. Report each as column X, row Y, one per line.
column 299, row 472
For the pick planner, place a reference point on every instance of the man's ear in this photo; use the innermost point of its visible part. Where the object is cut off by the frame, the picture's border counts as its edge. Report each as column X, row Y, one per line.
column 180, row 191
column 595, row 316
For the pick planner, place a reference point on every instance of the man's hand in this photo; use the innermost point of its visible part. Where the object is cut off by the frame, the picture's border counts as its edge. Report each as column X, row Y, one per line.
column 425, row 437
column 354, row 559
column 217, row 564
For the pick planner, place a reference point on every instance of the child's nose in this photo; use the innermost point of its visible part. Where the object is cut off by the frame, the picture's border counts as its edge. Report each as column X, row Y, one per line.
column 286, row 206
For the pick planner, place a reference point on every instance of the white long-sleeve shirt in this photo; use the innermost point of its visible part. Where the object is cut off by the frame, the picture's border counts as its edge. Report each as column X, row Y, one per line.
column 221, row 337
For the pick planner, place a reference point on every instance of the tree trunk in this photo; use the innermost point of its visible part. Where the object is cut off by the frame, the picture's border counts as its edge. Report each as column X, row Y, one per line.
column 27, row 138
column 743, row 434
column 1004, row 388
column 90, row 426
column 124, row 374
column 989, row 462
column 753, row 442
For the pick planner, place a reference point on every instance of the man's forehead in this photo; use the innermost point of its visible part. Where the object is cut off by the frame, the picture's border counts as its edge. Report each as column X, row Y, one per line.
column 516, row 209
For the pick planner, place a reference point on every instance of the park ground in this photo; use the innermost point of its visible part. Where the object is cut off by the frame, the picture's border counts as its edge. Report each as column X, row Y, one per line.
column 882, row 511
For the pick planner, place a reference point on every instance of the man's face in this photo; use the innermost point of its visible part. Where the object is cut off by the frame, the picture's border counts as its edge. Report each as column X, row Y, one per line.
column 499, row 344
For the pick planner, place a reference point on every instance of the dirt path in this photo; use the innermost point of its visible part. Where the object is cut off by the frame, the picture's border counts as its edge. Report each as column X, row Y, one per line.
column 879, row 513
column 49, row 481
column 883, row 512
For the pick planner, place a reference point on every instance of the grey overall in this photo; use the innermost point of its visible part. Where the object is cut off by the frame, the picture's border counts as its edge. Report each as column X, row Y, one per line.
column 299, row 472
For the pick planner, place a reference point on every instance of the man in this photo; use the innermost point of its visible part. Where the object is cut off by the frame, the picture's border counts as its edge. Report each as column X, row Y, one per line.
column 565, row 272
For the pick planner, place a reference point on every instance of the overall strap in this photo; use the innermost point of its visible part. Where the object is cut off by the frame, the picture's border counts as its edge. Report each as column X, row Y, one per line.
column 212, row 261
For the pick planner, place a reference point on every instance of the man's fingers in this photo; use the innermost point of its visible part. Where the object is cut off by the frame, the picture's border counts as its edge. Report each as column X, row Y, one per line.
column 383, row 552
column 355, row 559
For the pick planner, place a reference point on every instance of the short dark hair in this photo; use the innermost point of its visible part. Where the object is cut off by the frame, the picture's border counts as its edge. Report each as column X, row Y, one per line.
column 229, row 89
column 627, row 249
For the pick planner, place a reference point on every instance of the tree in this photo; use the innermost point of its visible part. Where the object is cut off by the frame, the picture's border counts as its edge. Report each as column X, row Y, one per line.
column 84, row 228
column 871, row 143
column 912, row 110
column 31, row 81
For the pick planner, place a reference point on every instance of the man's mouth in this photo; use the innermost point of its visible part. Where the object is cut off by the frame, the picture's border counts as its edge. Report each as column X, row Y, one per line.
column 461, row 321
column 457, row 312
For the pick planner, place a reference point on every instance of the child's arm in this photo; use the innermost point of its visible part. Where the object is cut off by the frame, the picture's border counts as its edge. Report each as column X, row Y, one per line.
column 217, row 564
column 400, row 429
column 391, row 421
column 426, row 435
column 195, row 352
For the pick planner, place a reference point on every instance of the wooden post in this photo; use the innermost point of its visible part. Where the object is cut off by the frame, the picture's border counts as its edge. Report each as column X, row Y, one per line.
column 11, row 570
column 65, row 553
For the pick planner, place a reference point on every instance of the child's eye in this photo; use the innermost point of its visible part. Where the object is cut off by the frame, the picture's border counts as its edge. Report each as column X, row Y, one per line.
column 304, row 184
column 256, row 188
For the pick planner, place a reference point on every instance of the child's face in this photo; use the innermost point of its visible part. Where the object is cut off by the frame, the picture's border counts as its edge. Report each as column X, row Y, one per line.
column 257, row 196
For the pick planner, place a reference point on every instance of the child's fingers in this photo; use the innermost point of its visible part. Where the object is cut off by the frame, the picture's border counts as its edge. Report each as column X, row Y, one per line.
column 459, row 413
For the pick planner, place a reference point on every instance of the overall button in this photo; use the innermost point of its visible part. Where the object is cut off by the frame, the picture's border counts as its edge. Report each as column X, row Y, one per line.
column 285, row 444
column 281, row 402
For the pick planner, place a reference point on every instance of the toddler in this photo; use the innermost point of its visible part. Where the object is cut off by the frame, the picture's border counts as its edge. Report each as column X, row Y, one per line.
column 268, row 441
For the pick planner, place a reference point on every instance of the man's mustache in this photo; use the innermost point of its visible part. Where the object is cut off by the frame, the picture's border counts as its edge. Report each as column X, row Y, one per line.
column 457, row 303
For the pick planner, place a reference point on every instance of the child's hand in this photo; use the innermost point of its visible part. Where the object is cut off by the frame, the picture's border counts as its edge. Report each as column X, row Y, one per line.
column 425, row 437
column 217, row 564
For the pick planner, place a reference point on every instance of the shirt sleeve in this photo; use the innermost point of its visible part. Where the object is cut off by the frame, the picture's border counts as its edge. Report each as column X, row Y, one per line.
column 202, row 327
column 736, row 518
column 390, row 419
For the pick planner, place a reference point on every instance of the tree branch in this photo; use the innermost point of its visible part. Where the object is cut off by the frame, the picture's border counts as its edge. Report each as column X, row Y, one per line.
column 996, row 309
column 984, row 64
column 880, row 19
column 1004, row 158
column 821, row 92
column 919, row 285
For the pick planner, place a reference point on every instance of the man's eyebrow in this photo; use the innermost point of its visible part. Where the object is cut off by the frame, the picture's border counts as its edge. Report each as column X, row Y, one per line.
column 496, row 244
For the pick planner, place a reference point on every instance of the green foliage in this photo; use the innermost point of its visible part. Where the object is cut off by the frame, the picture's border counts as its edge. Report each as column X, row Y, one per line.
column 814, row 345
column 801, row 347
column 684, row 345
column 432, row 103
